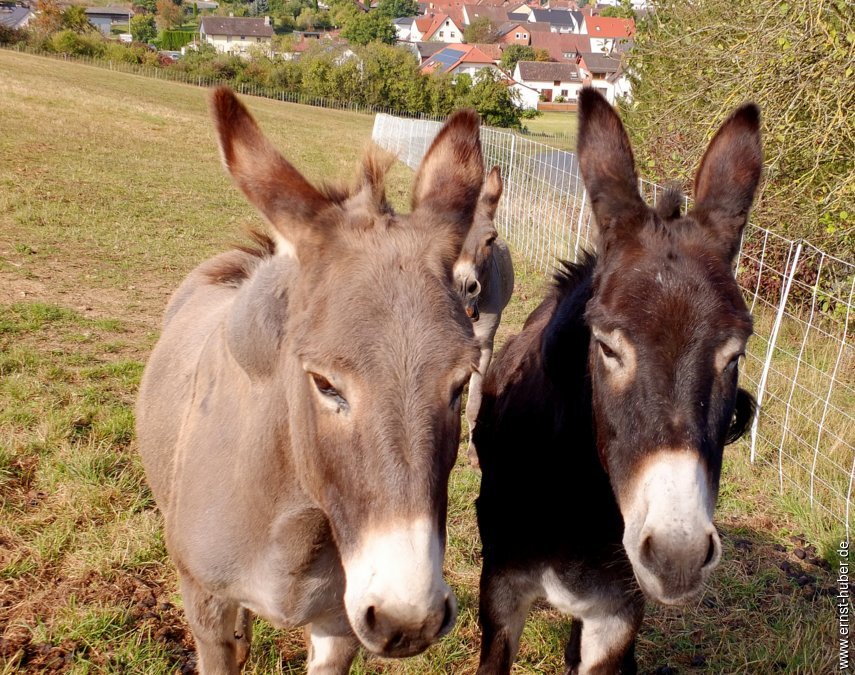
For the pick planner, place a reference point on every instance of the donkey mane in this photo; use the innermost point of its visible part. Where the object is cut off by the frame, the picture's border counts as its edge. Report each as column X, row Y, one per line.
column 236, row 266
column 670, row 204
column 570, row 275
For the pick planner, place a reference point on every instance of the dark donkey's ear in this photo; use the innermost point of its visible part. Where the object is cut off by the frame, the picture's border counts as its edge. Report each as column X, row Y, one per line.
column 608, row 168
column 727, row 177
column 287, row 200
column 449, row 179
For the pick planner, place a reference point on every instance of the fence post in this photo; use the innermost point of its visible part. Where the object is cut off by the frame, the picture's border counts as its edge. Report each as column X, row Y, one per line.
column 831, row 383
column 761, row 387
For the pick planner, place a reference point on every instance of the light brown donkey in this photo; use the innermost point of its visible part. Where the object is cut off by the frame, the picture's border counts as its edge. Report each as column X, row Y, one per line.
column 300, row 415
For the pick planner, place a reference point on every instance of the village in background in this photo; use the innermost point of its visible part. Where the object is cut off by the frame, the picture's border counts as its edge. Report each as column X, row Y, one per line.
column 512, row 61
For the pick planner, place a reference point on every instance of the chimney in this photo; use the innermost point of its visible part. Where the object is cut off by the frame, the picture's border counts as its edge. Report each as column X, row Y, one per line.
column 231, row 14
column 266, row 20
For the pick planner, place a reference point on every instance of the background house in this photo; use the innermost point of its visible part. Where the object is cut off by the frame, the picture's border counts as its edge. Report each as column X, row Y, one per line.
column 604, row 73
column 550, row 80
column 104, row 18
column 15, row 18
column 459, row 59
column 235, row 35
column 436, row 28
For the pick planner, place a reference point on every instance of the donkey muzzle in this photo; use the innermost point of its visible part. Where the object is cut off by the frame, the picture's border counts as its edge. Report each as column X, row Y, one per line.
column 669, row 536
column 396, row 599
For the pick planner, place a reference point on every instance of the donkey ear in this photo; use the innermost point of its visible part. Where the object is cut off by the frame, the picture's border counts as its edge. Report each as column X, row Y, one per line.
column 491, row 192
column 271, row 184
column 608, row 167
column 728, row 176
column 449, row 179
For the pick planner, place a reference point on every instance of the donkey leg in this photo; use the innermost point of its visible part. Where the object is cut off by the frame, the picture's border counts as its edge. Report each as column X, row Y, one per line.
column 505, row 600
column 607, row 645
column 212, row 621
column 473, row 402
column 332, row 646
column 243, row 636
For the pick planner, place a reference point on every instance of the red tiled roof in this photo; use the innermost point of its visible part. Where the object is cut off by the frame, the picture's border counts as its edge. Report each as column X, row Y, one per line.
column 609, row 27
column 466, row 54
column 494, row 50
column 558, row 44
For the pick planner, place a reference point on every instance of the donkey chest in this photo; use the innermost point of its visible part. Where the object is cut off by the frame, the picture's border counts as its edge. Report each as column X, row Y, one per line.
column 295, row 574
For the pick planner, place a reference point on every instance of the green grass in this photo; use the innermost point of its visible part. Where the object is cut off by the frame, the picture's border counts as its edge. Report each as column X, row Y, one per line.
column 561, row 126
column 110, row 191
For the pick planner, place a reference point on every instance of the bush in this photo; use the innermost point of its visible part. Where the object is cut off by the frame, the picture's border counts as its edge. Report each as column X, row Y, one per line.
column 78, row 44
column 174, row 40
column 693, row 64
column 10, row 36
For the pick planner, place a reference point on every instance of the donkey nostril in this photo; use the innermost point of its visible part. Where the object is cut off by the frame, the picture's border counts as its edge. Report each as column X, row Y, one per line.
column 395, row 642
column 647, row 555
column 371, row 618
column 710, row 551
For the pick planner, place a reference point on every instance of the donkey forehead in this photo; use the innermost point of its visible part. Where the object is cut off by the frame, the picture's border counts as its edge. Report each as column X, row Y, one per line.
column 369, row 315
column 672, row 289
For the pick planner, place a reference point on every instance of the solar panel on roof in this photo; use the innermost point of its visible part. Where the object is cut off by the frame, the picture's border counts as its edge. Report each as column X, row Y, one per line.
column 447, row 58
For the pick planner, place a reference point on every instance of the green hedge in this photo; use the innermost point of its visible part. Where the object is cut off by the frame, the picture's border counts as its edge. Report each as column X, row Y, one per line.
column 174, row 40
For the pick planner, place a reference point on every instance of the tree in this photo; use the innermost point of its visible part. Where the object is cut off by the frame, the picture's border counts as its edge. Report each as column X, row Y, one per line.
column 481, row 30
column 515, row 53
column 169, row 15
column 143, row 28
column 74, row 18
column 370, row 27
column 395, row 9
column 260, row 7
column 690, row 67
column 145, row 6
column 49, row 18
column 494, row 100
column 622, row 11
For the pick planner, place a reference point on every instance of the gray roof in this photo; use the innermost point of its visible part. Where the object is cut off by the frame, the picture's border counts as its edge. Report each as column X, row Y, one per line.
column 600, row 63
column 545, row 71
column 108, row 11
column 428, row 49
column 16, row 18
column 558, row 17
column 516, row 16
column 234, row 25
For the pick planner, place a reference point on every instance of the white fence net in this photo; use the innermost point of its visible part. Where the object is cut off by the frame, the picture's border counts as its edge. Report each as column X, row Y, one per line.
column 800, row 363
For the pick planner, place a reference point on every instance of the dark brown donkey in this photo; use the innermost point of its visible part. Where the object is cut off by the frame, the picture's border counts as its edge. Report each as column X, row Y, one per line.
column 603, row 423
column 300, row 415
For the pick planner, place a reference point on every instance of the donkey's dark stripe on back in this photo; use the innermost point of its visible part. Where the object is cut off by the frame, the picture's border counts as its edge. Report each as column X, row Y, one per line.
column 604, row 421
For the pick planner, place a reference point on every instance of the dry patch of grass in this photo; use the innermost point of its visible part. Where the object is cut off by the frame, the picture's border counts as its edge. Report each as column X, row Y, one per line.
column 111, row 192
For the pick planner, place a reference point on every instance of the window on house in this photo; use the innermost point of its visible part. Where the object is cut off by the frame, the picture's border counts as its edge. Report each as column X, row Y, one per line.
column 556, row 83
column 525, row 36
column 447, row 24
column 517, row 36
column 564, row 93
column 441, row 34
column 451, row 34
column 243, row 37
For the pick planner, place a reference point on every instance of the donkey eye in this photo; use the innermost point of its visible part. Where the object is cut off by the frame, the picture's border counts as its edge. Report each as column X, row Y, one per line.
column 733, row 363
column 607, row 351
column 324, row 386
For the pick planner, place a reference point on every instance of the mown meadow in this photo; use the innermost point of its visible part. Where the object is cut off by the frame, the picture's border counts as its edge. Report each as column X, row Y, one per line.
column 111, row 189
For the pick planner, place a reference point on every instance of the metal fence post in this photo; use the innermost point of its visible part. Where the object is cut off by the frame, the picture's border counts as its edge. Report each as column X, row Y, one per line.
column 770, row 351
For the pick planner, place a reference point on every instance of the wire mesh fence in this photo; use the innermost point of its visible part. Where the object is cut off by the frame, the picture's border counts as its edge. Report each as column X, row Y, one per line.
column 800, row 364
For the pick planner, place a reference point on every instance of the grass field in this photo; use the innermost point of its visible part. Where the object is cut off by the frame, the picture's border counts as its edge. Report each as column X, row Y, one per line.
column 561, row 126
column 111, row 189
